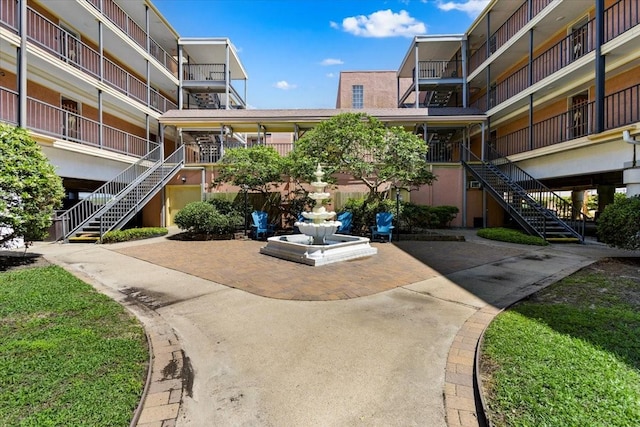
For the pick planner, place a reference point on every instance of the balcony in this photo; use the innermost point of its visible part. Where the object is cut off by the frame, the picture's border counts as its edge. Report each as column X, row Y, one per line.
column 207, row 87
column 507, row 30
column 136, row 33
column 568, row 50
column 621, row 108
column 67, row 48
column 62, row 124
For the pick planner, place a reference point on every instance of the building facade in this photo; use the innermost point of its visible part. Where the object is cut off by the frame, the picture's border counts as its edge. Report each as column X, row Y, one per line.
column 89, row 79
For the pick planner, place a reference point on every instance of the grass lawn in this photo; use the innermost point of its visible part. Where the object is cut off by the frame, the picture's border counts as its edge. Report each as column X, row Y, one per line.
column 512, row 236
column 69, row 356
column 570, row 354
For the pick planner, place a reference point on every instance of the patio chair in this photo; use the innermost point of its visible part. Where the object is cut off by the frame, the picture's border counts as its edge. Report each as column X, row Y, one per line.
column 383, row 225
column 261, row 226
column 346, row 218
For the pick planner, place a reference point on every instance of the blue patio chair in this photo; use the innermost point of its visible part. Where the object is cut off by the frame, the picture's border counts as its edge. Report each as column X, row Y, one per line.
column 383, row 225
column 346, row 218
column 261, row 226
column 301, row 218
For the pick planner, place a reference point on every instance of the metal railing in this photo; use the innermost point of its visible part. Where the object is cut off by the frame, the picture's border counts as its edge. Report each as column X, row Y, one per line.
column 437, row 69
column 620, row 17
column 63, row 124
column 201, row 72
column 76, row 216
column 128, row 26
column 63, row 45
column 563, row 53
column 534, row 206
column 9, row 106
column 9, row 14
column 620, row 108
column 510, row 27
column 119, row 210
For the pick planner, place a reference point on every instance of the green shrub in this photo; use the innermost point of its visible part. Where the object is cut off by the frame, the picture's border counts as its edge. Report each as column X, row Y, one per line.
column 116, row 236
column 415, row 216
column 202, row 218
column 511, row 236
column 364, row 212
column 619, row 224
column 441, row 216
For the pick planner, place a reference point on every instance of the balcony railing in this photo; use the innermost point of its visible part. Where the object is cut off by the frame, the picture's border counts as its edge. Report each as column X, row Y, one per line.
column 620, row 17
column 510, row 27
column 63, row 45
column 57, row 122
column 201, row 72
column 621, row 108
column 9, row 106
column 438, row 69
column 9, row 14
column 123, row 21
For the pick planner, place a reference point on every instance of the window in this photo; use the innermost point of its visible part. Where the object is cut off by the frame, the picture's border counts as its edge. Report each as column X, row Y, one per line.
column 357, row 96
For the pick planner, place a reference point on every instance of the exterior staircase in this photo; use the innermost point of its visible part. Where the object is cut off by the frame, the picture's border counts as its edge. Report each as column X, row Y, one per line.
column 532, row 205
column 439, row 98
column 112, row 205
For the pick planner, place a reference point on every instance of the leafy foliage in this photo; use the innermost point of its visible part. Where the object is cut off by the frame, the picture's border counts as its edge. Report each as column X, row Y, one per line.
column 202, row 218
column 29, row 188
column 363, row 147
column 364, row 212
column 116, row 236
column 424, row 217
column 619, row 224
column 511, row 236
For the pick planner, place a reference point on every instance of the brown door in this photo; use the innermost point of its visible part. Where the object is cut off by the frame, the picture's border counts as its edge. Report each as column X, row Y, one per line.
column 70, row 119
column 578, row 119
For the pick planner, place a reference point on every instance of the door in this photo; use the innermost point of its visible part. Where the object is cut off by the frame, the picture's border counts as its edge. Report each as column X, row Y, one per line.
column 578, row 116
column 70, row 119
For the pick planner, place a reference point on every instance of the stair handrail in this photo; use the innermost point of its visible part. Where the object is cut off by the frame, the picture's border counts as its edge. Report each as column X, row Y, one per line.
column 176, row 160
column 75, row 216
column 548, row 198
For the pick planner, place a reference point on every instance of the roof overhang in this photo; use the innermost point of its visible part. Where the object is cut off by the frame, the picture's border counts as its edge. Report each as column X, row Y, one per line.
column 288, row 120
column 211, row 50
column 430, row 48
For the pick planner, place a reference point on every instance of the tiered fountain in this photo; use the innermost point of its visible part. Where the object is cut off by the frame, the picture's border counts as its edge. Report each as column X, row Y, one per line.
column 318, row 244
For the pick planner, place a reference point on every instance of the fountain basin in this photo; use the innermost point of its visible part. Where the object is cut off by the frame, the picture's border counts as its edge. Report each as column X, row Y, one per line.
column 300, row 248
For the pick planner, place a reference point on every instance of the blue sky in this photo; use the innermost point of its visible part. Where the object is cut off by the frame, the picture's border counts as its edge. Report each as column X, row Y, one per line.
column 294, row 50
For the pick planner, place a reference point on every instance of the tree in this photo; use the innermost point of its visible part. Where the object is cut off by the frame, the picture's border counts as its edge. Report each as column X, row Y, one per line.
column 363, row 147
column 29, row 188
column 257, row 169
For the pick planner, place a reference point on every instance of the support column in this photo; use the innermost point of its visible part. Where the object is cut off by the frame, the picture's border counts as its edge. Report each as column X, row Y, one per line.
column 577, row 203
column 599, row 69
column 631, row 178
column 416, row 77
column 465, row 83
column 100, row 120
column 22, row 67
column 605, row 197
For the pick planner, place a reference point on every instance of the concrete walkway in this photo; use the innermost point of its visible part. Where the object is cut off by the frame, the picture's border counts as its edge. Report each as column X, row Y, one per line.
column 240, row 338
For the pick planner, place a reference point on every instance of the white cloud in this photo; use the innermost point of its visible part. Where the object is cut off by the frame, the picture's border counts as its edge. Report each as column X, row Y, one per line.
column 471, row 7
column 331, row 61
column 284, row 85
column 331, row 75
column 334, row 25
column 383, row 23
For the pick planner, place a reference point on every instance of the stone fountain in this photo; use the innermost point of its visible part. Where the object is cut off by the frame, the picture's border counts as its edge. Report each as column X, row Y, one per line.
column 318, row 244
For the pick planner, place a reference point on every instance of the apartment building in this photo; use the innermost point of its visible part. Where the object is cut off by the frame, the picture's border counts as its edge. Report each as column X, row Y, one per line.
column 559, row 83
column 90, row 79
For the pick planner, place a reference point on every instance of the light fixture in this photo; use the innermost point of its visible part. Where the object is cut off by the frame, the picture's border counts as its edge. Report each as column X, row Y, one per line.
column 183, row 179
